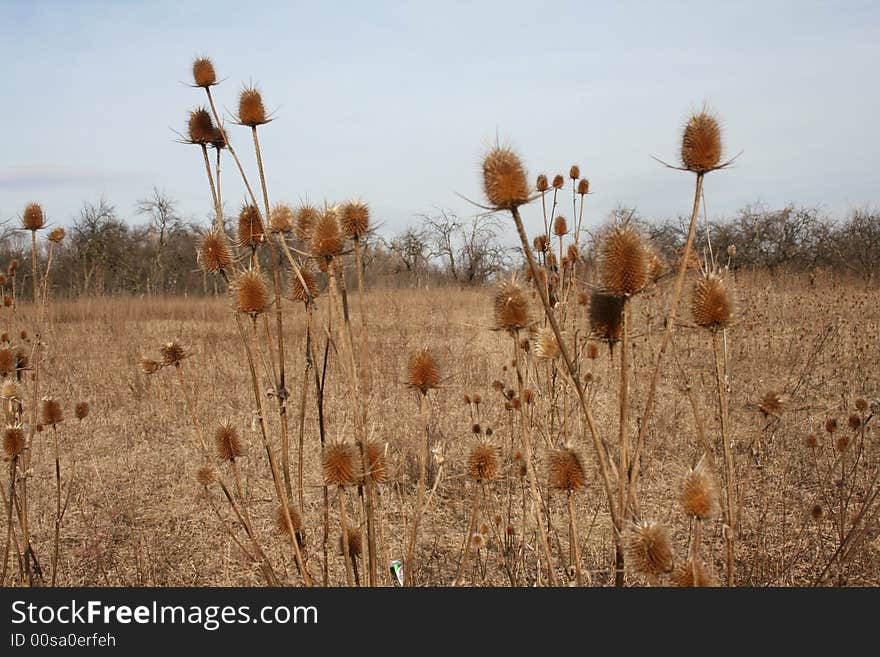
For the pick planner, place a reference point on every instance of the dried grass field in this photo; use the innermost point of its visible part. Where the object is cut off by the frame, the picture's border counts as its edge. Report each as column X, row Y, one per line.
column 799, row 355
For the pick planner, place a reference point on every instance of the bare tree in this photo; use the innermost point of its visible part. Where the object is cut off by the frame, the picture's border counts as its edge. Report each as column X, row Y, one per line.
column 470, row 251
column 165, row 223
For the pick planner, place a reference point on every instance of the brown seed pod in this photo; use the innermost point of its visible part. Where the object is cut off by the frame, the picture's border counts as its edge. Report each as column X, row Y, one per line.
column 560, row 226
column 511, row 306
column 558, row 181
column 355, row 543
column 149, row 366
column 81, row 410
column 297, row 291
column 574, row 172
column 172, row 353
column 339, row 465
column 423, row 374
column 842, row 443
column 354, row 218
column 251, row 111
column 33, row 217
column 648, row 549
column 213, row 254
column 251, row 293
column 377, row 468
column 218, row 139
column 295, row 520
column 592, row 350
column 7, row 361
column 203, row 72
column 250, row 227
column 701, row 143
column 689, row 574
column 541, row 184
column 542, row 243
column 817, row 512
column 504, row 179
column 624, row 262
column 482, row 462
column 10, row 389
column 56, row 236
column 812, row 441
column 50, row 411
column 206, row 475
column 572, row 253
column 282, row 218
column 327, row 239
column 771, row 404
column 606, row 316
column 227, row 442
column 13, row 267
column 583, row 187
column 546, row 347
column 712, row 306
column 306, row 218
column 854, row 422
column 831, row 425
column 13, row 440
column 699, row 494
column 862, row 405
column 200, row 126
column 566, row 472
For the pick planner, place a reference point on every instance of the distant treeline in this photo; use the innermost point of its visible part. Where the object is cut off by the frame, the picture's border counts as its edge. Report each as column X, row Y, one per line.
column 155, row 252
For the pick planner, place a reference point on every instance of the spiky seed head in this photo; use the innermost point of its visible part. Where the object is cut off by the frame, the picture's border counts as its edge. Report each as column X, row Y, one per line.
column 699, row 494
column 606, row 316
column 558, row 181
column 712, row 306
column 572, row 253
column 842, row 443
column 624, row 262
column 282, row 218
column 200, row 126
column 50, row 411
column 251, row 111
column 583, row 187
column 377, row 468
column 214, row 255
column 13, row 440
column 771, row 404
column 574, row 172
column 281, row 521
column 250, row 227
column 542, row 185
column 251, row 293
column 2, row 279
column 592, row 350
column 327, row 239
column 339, row 465
column 206, row 475
column 21, row 358
column 81, row 410
column 218, row 139
column 423, row 373
column 854, row 421
column 478, row 399
column 297, row 291
column 306, row 218
column 149, row 366
column 226, row 442
column 817, row 512
column 56, row 235
column 812, row 441
column 511, row 305
column 546, row 346
column 10, row 389
column 7, row 361
column 701, row 143
column 33, row 217
column 354, row 217
column 173, row 353
column 560, row 226
column 23, row 335
column 13, row 266
column 649, row 550
column 355, row 544
column 203, row 72
column 504, row 178
column 566, row 472
column 862, row 405
column 689, row 574
column 831, row 425
column 482, row 462
column 542, row 243
column 656, row 266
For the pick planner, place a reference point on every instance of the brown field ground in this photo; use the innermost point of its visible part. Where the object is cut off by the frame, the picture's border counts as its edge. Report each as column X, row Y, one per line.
column 136, row 515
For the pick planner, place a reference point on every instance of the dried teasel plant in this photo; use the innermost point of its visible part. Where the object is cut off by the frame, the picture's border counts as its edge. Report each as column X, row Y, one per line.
column 712, row 305
column 699, row 494
column 213, row 255
column 625, row 265
column 504, row 178
column 422, row 372
column 701, row 143
column 483, row 462
column 649, row 550
column 250, row 293
column 511, row 307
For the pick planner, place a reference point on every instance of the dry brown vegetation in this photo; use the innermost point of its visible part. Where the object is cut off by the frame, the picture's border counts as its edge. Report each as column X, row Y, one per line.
column 619, row 420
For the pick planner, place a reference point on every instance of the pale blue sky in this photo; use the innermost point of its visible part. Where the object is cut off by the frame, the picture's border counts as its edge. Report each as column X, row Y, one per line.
column 395, row 102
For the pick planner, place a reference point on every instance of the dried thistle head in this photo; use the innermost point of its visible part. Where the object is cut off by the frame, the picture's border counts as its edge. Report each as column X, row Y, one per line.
column 541, row 184
column 281, row 521
column 511, row 306
column 251, row 111
column 854, row 421
column 558, row 181
column 354, row 218
column 377, row 468
column 50, row 411
column 701, row 143
column 817, row 512
column 200, row 126
column 214, row 255
column 831, row 425
column 10, row 389
column 206, row 475
column 566, row 472
column 81, row 410
column 648, row 549
column 583, row 187
column 251, row 293
column 203, row 72
column 606, row 316
column 771, row 404
column 7, row 361
column 13, row 440
column 282, row 218
column 572, row 253
column 841, row 443
column 423, row 373
column 862, row 405
column 699, row 494
column 339, row 465
column 298, row 292
column 227, row 442
column 712, row 306
column 306, row 218
column 355, row 544
column 326, row 238
column 560, row 226
column 574, row 172
column 592, row 350
column 56, row 235
column 624, row 262
column 546, row 347
column 690, row 574
column 13, row 267
column 33, row 217
column 504, row 178
column 656, row 265
column 250, row 227
column 482, row 464
column 542, row 243
column 172, row 353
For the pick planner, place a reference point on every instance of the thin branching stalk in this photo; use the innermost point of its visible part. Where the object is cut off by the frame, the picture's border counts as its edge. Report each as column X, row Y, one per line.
column 575, row 541
column 729, row 465
column 466, row 545
column 409, row 571
column 56, row 544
